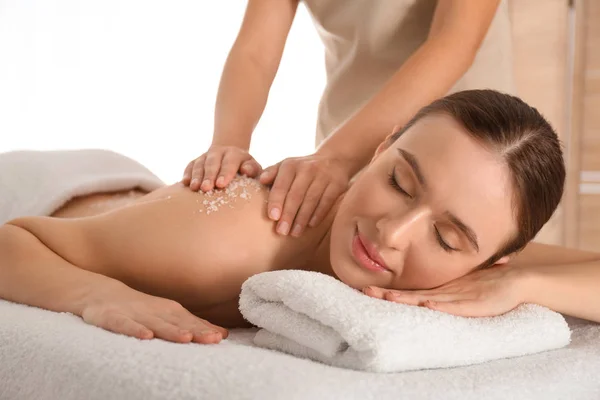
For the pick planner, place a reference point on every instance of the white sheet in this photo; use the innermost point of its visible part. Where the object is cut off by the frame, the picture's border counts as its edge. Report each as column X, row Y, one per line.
column 46, row 355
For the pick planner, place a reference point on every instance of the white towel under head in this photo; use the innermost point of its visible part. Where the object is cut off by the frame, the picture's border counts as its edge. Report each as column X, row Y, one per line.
column 40, row 182
column 315, row 316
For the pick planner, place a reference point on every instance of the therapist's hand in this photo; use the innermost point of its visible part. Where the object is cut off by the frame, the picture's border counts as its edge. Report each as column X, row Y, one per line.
column 218, row 166
column 303, row 191
column 483, row 293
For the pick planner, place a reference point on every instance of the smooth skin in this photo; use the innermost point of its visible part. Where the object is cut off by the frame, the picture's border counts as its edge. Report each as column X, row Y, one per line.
column 159, row 268
column 305, row 188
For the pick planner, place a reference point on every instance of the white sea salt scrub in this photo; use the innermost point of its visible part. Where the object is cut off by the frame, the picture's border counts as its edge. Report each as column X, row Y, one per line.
column 241, row 187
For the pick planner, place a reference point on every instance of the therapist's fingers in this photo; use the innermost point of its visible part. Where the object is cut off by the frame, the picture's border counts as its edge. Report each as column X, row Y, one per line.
column 330, row 195
column 212, row 165
column 251, row 168
column 187, row 174
column 230, row 165
column 197, row 173
column 294, row 198
column 267, row 177
column 309, row 204
column 281, row 186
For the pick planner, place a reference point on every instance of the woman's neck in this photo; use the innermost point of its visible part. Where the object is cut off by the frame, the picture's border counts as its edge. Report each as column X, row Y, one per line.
column 320, row 260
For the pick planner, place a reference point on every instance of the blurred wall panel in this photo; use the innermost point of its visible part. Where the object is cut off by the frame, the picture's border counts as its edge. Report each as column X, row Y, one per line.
column 540, row 46
column 586, row 122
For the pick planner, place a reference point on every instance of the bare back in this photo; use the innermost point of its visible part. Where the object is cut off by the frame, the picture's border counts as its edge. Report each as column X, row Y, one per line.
column 190, row 247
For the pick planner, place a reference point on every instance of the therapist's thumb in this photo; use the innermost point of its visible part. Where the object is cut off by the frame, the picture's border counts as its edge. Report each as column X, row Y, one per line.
column 268, row 175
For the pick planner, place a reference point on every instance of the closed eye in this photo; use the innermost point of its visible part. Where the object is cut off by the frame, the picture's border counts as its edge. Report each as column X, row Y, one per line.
column 394, row 183
column 441, row 241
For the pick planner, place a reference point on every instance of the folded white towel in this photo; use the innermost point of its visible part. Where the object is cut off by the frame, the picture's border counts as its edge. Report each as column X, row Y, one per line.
column 315, row 316
column 40, row 182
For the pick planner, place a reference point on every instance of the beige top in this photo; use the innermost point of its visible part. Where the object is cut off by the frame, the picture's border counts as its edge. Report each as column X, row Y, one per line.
column 366, row 41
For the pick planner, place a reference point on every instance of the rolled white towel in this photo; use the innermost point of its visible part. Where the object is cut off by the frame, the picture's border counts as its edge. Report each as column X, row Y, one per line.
column 37, row 183
column 312, row 315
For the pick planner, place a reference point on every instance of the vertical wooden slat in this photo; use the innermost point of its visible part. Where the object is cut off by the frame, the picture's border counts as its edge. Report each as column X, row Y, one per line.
column 573, row 150
column 540, row 47
column 589, row 129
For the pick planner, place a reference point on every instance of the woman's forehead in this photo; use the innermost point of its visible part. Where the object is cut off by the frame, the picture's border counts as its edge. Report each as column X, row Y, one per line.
column 463, row 177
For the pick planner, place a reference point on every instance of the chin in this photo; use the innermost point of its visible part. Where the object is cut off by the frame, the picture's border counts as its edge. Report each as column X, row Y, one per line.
column 348, row 278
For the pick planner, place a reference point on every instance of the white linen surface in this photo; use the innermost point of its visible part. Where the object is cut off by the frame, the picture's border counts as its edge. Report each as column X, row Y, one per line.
column 47, row 355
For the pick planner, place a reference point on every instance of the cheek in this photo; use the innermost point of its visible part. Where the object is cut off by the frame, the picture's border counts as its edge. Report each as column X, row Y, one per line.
column 429, row 269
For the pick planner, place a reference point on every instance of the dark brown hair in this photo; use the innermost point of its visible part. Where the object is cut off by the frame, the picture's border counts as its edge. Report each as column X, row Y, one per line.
column 526, row 142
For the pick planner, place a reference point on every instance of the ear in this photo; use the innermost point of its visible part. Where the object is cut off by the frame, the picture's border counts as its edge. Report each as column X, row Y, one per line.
column 385, row 144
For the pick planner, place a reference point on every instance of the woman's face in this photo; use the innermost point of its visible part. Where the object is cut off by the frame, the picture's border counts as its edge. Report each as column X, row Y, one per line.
column 430, row 207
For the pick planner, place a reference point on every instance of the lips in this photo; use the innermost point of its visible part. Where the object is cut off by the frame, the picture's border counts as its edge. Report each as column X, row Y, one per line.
column 366, row 254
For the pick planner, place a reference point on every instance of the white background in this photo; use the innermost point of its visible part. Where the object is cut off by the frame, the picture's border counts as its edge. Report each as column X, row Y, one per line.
column 140, row 77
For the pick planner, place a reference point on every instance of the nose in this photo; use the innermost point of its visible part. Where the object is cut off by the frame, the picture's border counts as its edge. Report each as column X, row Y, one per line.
column 399, row 230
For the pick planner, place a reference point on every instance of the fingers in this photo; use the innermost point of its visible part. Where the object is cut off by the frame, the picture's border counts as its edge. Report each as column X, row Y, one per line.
column 218, row 167
column 327, row 200
column 251, row 168
column 203, row 331
column 415, row 298
column 310, row 202
column 165, row 330
column 212, row 165
column 119, row 323
column 463, row 308
column 269, row 174
column 294, row 198
column 187, row 174
column 230, row 165
column 197, row 172
column 284, row 178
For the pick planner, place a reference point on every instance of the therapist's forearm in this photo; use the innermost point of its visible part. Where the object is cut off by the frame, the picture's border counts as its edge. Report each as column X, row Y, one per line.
column 241, row 100
column 427, row 75
column 572, row 289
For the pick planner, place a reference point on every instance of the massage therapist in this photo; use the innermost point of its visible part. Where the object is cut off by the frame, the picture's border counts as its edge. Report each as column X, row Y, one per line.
column 384, row 61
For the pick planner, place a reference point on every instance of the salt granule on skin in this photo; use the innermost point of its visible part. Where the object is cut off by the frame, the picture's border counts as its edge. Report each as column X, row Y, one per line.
column 239, row 187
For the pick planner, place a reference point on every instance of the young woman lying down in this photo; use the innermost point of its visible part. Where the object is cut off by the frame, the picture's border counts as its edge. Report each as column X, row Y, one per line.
column 442, row 217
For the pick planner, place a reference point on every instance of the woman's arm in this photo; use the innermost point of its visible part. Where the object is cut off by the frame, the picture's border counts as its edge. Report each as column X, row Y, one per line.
column 457, row 30
column 564, row 280
column 31, row 273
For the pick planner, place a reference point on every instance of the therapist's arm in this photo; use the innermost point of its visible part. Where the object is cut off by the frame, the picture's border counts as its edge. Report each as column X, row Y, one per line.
column 246, row 80
column 456, row 33
column 250, row 70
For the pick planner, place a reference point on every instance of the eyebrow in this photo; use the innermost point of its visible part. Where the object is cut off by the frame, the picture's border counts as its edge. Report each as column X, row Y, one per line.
column 469, row 233
column 412, row 161
column 464, row 228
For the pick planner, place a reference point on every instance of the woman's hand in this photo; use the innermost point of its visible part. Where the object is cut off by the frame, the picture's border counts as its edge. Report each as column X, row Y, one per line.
column 303, row 191
column 224, row 161
column 483, row 293
column 124, row 310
